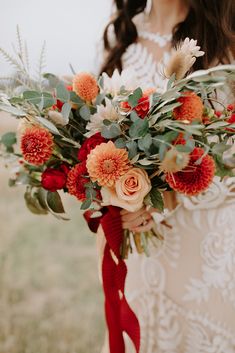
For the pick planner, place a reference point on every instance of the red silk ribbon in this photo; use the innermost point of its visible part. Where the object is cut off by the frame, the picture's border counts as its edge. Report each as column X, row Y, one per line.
column 119, row 316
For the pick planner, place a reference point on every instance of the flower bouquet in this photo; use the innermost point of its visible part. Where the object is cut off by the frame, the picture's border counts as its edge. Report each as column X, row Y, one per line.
column 114, row 144
column 108, row 142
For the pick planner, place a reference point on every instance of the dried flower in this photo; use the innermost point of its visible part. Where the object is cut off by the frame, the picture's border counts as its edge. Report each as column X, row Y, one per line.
column 174, row 161
column 183, row 59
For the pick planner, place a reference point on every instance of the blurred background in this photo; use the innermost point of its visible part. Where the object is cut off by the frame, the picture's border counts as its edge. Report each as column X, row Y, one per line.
column 50, row 296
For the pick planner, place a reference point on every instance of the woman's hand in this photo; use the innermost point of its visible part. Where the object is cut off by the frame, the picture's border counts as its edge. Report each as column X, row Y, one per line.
column 139, row 221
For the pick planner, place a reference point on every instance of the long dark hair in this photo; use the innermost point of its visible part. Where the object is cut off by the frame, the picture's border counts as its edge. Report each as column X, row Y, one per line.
column 211, row 22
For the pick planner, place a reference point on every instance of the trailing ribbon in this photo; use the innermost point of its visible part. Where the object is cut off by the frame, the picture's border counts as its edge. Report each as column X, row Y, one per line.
column 119, row 316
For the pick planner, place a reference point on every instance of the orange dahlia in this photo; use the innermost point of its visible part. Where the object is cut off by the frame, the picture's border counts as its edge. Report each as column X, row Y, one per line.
column 85, row 86
column 106, row 163
column 195, row 178
column 36, row 145
column 76, row 181
column 191, row 107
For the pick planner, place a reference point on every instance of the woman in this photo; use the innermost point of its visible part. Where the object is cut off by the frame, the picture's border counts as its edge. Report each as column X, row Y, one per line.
column 184, row 293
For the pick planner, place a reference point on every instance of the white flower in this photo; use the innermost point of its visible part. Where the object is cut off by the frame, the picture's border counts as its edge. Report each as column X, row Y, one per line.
column 113, row 84
column 190, row 46
column 103, row 112
column 183, row 58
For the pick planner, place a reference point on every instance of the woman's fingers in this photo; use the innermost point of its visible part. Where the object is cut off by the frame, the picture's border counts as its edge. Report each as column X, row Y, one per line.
column 144, row 228
column 130, row 216
column 139, row 220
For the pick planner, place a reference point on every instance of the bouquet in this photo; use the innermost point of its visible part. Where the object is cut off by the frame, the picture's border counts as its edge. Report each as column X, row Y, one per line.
column 114, row 144
column 108, row 141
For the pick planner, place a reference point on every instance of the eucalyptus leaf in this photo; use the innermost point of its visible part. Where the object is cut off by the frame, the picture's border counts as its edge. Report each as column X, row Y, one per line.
column 134, row 97
column 120, row 143
column 170, row 107
column 48, row 124
column 217, row 125
column 111, row 131
column 99, row 98
column 139, row 128
column 86, row 204
column 66, row 109
column 132, row 149
column 145, row 142
column 85, row 113
column 53, row 80
column 8, row 139
column 12, row 110
column 62, row 93
column 220, row 148
column 134, row 116
column 75, row 99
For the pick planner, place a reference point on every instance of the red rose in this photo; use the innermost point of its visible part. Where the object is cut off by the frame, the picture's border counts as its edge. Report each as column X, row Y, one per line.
column 142, row 107
column 55, row 179
column 89, row 145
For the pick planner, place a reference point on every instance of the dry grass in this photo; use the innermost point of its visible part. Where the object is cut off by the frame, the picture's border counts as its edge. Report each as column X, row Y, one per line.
column 50, row 298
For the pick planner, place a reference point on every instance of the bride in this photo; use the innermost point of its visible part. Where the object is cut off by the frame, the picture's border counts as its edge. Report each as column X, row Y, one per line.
column 184, row 293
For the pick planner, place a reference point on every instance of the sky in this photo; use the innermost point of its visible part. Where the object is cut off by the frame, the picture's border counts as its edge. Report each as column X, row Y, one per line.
column 72, row 30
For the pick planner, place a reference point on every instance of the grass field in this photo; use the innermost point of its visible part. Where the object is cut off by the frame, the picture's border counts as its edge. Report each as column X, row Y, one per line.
column 50, row 297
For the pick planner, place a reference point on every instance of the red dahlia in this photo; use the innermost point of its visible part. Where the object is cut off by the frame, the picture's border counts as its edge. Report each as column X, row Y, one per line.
column 89, row 145
column 195, row 178
column 76, row 181
column 191, row 107
column 36, row 145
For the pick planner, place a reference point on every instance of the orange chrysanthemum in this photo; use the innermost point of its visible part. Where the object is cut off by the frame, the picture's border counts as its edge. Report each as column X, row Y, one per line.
column 85, row 86
column 106, row 163
column 36, row 145
column 76, row 181
column 191, row 107
column 195, row 178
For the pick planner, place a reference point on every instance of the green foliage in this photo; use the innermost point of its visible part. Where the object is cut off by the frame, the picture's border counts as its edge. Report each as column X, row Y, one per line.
column 47, row 124
column 111, row 131
column 221, row 169
column 132, row 149
column 156, row 199
column 42, row 99
column 139, row 128
column 12, row 110
column 134, row 97
column 62, row 93
column 8, row 139
column 85, row 113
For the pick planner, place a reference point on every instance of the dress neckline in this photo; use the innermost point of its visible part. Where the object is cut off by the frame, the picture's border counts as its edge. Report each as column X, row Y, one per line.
column 161, row 39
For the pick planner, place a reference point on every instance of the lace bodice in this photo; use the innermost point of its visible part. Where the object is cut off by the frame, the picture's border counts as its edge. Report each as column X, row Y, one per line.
column 184, row 293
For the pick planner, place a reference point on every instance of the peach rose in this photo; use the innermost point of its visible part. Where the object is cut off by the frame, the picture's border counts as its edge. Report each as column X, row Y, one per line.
column 129, row 190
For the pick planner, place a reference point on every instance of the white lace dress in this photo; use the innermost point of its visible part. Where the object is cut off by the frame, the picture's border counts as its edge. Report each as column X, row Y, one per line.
column 184, row 293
